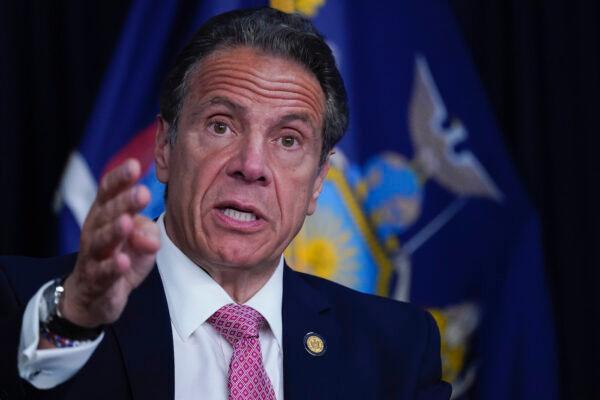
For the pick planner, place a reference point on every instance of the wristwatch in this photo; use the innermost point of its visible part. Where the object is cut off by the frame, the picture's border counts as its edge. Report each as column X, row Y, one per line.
column 57, row 329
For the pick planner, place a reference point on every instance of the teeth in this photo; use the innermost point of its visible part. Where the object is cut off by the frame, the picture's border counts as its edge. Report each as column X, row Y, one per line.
column 239, row 215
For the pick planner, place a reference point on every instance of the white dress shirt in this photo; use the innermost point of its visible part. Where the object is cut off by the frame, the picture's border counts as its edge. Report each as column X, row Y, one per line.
column 201, row 355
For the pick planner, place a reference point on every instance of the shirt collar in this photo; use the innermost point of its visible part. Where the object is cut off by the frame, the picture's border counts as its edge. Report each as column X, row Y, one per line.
column 193, row 296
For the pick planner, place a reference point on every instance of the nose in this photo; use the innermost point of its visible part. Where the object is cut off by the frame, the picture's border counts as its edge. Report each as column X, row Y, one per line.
column 250, row 163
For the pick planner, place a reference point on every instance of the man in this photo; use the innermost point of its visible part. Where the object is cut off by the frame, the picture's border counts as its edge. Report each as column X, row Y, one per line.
column 249, row 116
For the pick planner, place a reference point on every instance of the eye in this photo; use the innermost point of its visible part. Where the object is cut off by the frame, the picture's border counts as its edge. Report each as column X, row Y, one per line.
column 220, row 128
column 288, row 141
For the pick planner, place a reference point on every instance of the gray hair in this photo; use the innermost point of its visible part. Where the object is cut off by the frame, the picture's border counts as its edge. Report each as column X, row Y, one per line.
column 288, row 35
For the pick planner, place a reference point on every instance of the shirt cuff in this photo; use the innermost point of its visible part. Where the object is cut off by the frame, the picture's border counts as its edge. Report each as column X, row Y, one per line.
column 47, row 368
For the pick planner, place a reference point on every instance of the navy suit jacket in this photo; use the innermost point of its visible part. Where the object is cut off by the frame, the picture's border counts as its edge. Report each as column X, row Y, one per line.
column 376, row 348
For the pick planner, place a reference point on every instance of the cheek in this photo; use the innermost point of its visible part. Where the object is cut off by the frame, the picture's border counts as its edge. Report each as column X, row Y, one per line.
column 296, row 197
column 207, row 182
column 188, row 177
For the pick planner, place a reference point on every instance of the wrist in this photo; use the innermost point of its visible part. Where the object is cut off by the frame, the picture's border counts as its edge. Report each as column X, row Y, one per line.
column 73, row 307
column 55, row 327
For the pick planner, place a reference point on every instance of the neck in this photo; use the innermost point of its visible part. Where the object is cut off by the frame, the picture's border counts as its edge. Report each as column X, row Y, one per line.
column 241, row 285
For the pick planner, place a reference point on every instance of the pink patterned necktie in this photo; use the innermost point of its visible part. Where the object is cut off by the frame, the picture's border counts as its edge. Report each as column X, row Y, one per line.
column 239, row 325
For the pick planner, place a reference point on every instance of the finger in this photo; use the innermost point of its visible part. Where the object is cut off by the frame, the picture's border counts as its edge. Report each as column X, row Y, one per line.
column 145, row 236
column 130, row 201
column 106, row 239
column 109, row 270
column 118, row 179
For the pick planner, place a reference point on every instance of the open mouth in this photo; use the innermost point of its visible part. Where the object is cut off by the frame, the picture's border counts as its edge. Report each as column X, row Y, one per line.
column 238, row 215
column 239, row 212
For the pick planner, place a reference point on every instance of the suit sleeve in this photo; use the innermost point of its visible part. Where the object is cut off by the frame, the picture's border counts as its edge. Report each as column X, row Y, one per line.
column 431, row 386
column 19, row 355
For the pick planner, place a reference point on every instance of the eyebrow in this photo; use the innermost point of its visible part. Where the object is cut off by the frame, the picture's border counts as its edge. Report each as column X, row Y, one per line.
column 237, row 108
column 240, row 109
column 225, row 102
column 217, row 100
column 297, row 117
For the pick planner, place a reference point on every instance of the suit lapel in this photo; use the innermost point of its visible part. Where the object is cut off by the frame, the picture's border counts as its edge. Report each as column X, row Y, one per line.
column 305, row 310
column 146, row 341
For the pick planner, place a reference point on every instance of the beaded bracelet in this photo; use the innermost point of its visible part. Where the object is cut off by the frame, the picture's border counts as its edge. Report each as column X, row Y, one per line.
column 59, row 341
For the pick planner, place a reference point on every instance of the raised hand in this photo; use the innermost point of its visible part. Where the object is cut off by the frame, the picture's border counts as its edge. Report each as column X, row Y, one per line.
column 117, row 250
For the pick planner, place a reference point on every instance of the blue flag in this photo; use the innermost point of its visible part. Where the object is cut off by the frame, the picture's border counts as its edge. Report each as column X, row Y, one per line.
column 421, row 203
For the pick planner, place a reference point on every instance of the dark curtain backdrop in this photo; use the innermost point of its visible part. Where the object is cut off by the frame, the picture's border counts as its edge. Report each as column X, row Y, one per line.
column 540, row 64
column 538, row 61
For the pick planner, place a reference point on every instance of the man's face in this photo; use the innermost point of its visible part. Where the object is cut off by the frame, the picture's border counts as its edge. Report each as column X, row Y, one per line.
column 244, row 170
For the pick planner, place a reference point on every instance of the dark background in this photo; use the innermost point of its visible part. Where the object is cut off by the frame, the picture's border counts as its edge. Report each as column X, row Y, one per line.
column 539, row 64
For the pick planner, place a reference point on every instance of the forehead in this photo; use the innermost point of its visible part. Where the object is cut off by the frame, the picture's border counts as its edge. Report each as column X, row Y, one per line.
column 251, row 75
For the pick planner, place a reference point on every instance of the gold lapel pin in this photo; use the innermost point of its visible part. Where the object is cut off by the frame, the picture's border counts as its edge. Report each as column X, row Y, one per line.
column 314, row 344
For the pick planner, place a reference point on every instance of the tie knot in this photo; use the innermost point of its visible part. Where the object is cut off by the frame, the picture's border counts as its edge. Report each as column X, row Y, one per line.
column 236, row 321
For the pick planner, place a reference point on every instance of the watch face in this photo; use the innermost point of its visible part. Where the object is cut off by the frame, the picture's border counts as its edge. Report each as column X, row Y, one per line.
column 50, row 301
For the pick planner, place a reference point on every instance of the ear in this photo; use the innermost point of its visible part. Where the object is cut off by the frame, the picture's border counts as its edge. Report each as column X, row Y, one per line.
column 317, row 187
column 162, row 150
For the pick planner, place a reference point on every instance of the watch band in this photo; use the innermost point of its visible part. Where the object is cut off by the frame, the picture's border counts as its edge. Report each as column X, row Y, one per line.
column 68, row 330
column 57, row 329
